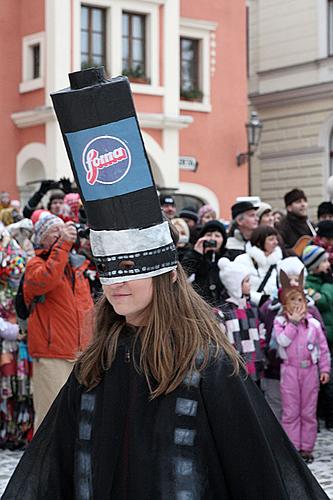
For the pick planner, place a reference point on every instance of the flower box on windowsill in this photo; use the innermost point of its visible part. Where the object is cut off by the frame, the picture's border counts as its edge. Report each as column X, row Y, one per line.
column 137, row 79
column 192, row 95
column 136, row 75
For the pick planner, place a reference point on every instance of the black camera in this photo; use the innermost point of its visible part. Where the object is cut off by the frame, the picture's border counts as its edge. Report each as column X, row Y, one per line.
column 83, row 231
column 209, row 244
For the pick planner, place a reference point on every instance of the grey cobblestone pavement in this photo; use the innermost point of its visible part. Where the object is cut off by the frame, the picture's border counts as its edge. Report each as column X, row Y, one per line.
column 322, row 467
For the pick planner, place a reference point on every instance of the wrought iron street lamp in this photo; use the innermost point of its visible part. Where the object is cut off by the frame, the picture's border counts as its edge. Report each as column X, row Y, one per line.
column 253, row 128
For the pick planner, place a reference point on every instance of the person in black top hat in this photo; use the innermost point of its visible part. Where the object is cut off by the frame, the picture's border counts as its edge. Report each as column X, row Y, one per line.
column 200, row 263
column 325, row 211
column 168, row 205
column 244, row 222
column 295, row 224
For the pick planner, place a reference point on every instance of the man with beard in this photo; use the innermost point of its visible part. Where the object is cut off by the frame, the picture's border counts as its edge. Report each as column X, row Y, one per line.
column 295, row 224
column 168, row 205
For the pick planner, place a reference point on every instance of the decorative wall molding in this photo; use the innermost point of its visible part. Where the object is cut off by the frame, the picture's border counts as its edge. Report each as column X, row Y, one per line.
column 314, row 150
column 33, row 117
column 45, row 114
column 160, row 121
column 199, row 24
column 212, row 53
column 292, row 96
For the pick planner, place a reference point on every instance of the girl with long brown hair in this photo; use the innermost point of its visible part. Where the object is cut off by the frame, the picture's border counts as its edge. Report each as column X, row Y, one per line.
column 158, row 407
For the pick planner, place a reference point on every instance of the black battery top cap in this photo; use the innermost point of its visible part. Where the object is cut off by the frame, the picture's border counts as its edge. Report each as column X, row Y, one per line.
column 129, row 237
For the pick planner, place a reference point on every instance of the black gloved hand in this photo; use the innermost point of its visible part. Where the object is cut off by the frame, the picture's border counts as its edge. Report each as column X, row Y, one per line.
column 65, row 185
column 46, row 186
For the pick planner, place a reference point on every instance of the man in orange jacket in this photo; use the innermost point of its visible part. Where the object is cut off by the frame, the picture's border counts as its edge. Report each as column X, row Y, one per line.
column 57, row 291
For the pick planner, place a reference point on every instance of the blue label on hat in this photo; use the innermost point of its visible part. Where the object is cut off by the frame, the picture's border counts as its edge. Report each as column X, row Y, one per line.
column 110, row 160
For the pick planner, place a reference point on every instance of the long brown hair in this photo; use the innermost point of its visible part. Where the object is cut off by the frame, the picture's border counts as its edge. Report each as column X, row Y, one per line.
column 179, row 326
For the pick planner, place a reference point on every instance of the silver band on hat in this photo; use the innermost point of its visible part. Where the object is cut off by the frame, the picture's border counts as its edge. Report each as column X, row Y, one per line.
column 129, row 241
column 133, row 253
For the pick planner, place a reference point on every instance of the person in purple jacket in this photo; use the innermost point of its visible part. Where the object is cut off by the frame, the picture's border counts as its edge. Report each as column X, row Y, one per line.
column 306, row 359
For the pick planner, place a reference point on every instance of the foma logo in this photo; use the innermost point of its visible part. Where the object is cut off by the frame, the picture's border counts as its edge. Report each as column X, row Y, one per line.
column 106, row 160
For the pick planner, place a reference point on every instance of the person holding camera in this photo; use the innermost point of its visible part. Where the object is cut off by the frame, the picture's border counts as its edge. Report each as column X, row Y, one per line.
column 57, row 294
column 200, row 263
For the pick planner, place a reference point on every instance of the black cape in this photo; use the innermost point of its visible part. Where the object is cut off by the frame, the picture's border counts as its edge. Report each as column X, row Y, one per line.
column 214, row 437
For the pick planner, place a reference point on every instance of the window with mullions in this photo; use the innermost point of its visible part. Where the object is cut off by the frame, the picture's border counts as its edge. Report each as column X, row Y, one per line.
column 189, row 69
column 330, row 27
column 93, row 51
column 134, row 46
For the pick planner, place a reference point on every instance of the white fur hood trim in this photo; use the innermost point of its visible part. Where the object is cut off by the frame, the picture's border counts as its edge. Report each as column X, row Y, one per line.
column 264, row 260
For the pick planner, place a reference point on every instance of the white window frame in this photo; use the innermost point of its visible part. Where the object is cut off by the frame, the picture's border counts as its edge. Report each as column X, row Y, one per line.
column 114, row 11
column 28, row 83
column 200, row 30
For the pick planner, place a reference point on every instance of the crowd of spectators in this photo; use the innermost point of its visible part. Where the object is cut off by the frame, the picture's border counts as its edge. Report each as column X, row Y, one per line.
column 249, row 270
column 48, row 283
column 237, row 267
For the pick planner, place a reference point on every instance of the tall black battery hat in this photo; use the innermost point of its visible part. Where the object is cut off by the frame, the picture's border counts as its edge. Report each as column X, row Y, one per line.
column 129, row 237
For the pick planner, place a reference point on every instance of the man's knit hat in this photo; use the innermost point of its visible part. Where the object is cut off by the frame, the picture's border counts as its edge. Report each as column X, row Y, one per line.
column 325, row 229
column 232, row 275
column 189, row 213
column 167, row 199
column 294, row 195
column 44, row 225
column 312, row 256
column 214, row 225
column 325, row 208
column 263, row 209
column 205, row 209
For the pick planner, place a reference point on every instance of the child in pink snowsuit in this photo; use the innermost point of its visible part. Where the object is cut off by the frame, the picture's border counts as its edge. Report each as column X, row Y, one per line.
column 303, row 348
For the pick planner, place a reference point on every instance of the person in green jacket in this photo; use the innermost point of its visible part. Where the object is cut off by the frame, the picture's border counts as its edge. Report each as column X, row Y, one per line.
column 319, row 285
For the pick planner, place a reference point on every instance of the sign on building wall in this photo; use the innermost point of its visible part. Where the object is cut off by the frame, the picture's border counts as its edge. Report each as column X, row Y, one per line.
column 188, row 163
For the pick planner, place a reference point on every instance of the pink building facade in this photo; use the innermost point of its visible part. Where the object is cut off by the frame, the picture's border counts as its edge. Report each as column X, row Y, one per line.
column 187, row 67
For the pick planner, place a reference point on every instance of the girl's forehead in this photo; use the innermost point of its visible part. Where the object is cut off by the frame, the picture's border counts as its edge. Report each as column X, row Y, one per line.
column 293, row 276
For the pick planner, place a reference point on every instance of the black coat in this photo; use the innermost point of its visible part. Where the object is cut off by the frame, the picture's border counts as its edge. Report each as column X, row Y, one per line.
column 212, row 438
column 291, row 228
column 206, row 276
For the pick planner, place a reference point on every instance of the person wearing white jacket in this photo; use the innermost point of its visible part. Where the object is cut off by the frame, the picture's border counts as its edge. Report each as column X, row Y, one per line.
column 261, row 258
